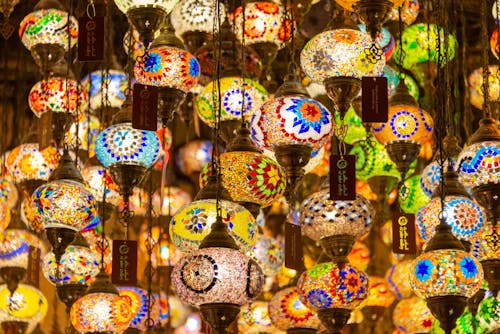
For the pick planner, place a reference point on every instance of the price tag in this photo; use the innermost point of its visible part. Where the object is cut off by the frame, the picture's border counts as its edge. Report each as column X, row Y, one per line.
column 374, row 100
column 45, row 130
column 91, row 38
column 145, row 107
column 403, row 233
column 342, row 177
column 32, row 273
column 294, row 257
column 124, row 265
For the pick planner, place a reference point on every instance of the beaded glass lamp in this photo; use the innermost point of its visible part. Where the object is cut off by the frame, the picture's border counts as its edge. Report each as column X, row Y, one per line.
column 288, row 312
column 141, row 306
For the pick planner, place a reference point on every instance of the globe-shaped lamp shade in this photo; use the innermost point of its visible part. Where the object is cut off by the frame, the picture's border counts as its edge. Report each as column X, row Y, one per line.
column 126, row 5
column 287, row 311
column 121, row 144
column 249, row 177
column 101, row 184
column 330, row 285
column 164, row 251
column 192, row 223
column 54, row 94
column 411, row 315
column 269, row 253
column 193, row 156
column 486, row 245
column 26, row 162
column 464, row 216
column 168, row 66
column 173, row 199
column 4, row 215
column 78, row 265
column 321, row 217
column 430, row 178
column 411, row 196
column 409, row 12
column 405, row 123
column 8, row 191
column 339, row 53
column 494, row 43
column 14, row 249
column 446, row 272
column 231, row 100
column 384, row 40
column 105, row 88
column 359, row 257
column 65, row 203
column 398, row 277
column 94, row 238
column 195, row 15
column 379, row 293
column 372, row 160
column 254, row 317
column 26, row 304
column 419, row 45
column 265, row 22
column 100, row 312
column 350, row 4
column 294, row 120
column 48, row 26
column 479, row 164
column 138, row 300
column 489, row 313
column 476, row 95
column 217, row 275
column 83, row 133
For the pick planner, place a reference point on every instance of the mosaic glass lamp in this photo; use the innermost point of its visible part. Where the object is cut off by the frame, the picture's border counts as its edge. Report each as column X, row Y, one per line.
column 101, row 309
column 193, row 156
column 486, row 248
column 25, row 307
column 171, row 68
column 337, row 59
column 287, row 312
column 409, row 12
column 146, row 16
column 140, row 305
column 269, row 253
column 479, row 166
column 489, row 313
column 45, row 33
column 105, row 89
column 173, row 199
column 384, row 40
column 8, row 191
column 101, row 184
column 379, row 294
column 335, row 224
column 445, row 276
column 254, row 317
column 476, row 95
column 82, row 134
column 333, row 291
column 398, row 278
column 494, row 43
column 411, row 315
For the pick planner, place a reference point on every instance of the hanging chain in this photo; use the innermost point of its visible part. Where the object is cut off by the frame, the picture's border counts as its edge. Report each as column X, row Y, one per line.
column 486, row 69
column 243, row 64
column 150, row 271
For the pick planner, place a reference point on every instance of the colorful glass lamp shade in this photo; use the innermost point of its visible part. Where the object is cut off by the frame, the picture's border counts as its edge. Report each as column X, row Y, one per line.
column 384, row 39
column 489, row 313
column 337, row 59
column 105, row 89
column 45, row 33
column 101, row 309
column 83, row 133
column 494, row 43
column 476, row 95
column 269, row 253
column 333, row 291
column 411, row 196
column 379, row 294
column 140, row 305
column 254, row 317
column 101, row 184
column 8, row 192
column 25, row 307
column 412, row 316
column 335, row 224
column 174, row 198
column 193, row 156
column 409, row 12
column 287, row 312
column 192, row 223
column 13, row 257
column 146, row 15
column 398, row 279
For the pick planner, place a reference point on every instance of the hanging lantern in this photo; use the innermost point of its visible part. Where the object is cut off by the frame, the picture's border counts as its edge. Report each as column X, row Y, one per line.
column 333, row 291
column 486, row 248
column 94, row 239
column 479, row 166
column 5, row 215
column 82, row 134
column 173, row 199
column 335, row 224
column 384, row 40
column 231, row 102
column 269, row 253
column 146, row 16
column 22, row 309
column 193, row 21
column 287, row 312
column 101, row 310
column 489, row 313
column 192, row 223
column 45, row 33
column 379, row 294
column 476, row 95
column 398, row 276
column 494, row 44
column 140, row 305
column 64, row 206
column 445, row 276
column 168, row 66
column 8, row 192
column 407, row 129
column 127, row 152
column 412, row 316
column 217, row 278
column 193, row 156
column 337, row 59
column 359, row 257
column 101, row 184
column 164, row 253
column 409, row 12
column 29, row 166
column 254, row 317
